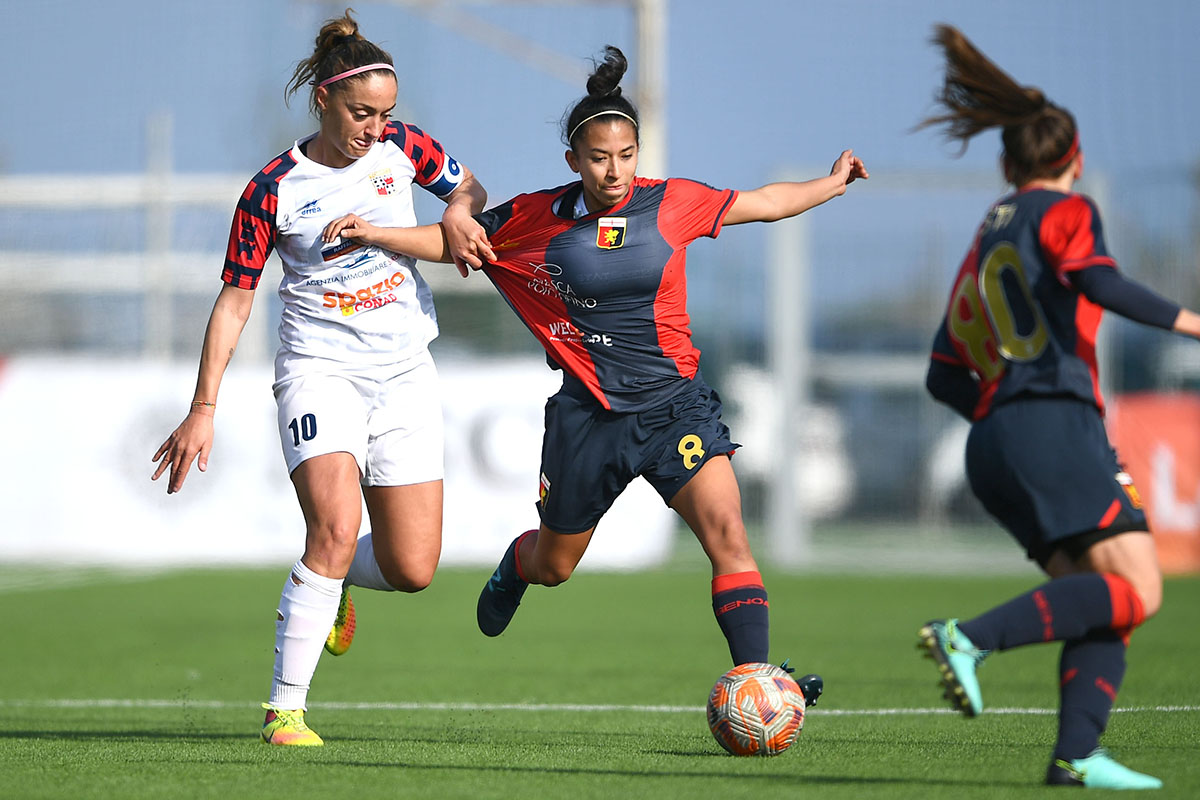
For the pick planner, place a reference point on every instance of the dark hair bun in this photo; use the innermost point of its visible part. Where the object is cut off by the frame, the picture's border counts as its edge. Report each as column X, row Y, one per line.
column 605, row 80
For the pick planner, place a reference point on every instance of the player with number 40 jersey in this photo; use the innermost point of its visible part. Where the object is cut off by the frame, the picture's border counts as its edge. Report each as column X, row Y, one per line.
column 1016, row 355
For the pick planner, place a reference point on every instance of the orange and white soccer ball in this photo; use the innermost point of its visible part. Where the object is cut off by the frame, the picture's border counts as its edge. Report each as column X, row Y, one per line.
column 756, row 710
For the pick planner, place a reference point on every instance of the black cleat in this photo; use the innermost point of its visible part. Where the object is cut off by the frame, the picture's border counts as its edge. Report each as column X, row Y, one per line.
column 812, row 686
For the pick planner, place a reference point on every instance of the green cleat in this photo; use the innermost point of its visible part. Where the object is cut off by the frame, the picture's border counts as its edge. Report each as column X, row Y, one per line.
column 1098, row 771
column 286, row 727
column 341, row 635
column 957, row 659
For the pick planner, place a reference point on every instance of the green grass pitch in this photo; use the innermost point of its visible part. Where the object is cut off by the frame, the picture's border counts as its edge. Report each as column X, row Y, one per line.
column 148, row 686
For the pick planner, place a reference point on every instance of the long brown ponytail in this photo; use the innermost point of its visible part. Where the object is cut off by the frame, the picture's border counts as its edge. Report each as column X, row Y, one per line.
column 1038, row 135
column 339, row 47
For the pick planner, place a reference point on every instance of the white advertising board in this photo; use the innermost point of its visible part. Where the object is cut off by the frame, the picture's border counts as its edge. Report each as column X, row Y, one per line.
column 77, row 436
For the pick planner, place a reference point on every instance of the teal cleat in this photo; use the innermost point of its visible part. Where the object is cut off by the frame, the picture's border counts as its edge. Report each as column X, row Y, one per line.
column 501, row 594
column 1098, row 771
column 957, row 659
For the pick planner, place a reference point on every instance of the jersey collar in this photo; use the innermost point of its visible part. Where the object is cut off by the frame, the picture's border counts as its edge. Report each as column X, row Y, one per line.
column 571, row 201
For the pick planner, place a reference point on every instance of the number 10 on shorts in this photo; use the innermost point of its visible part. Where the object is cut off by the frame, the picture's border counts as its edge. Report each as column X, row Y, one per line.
column 305, row 429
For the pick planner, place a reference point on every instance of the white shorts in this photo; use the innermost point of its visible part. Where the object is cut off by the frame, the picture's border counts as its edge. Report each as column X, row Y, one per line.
column 389, row 417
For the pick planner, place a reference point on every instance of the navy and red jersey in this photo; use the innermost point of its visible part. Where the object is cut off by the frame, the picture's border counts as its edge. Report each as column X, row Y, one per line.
column 1014, row 321
column 606, row 293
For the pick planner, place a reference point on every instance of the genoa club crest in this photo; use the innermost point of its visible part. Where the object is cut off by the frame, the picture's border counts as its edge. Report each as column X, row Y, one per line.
column 610, row 232
column 1135, row 499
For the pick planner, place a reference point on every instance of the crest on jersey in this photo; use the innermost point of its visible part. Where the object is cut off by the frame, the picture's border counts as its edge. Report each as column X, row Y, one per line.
column 1126, row 482
column 610, row 232
column 543, row 489
column 383, row 181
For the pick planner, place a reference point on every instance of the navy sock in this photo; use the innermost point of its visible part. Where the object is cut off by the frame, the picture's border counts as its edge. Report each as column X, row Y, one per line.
column 509, row 571
column 1063, row 609
column 740, row 605
column 1091, row 670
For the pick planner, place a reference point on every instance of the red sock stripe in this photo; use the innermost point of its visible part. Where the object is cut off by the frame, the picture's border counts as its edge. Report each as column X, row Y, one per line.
column 1128, row 611
column 1107, row 688
column 517, row 554
column 736, row 580
column 1046, row 614
column 1070, row 676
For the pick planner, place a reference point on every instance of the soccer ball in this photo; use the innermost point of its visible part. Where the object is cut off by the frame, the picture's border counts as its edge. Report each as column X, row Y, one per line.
column 756, row 709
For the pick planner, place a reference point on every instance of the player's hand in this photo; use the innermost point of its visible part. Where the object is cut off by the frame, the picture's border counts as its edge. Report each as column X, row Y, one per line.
column 193, row 437
column 849, row 167
column 467, row 240
column 350, row 226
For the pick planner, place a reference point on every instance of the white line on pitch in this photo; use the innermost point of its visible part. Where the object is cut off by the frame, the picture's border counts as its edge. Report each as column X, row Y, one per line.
column 548, row 707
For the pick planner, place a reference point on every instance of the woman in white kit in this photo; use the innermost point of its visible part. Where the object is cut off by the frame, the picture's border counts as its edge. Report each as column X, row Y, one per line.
column 359, row 413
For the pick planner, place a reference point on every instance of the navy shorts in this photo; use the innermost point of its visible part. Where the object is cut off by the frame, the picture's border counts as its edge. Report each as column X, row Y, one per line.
column 590, row 454
column 1045, row 469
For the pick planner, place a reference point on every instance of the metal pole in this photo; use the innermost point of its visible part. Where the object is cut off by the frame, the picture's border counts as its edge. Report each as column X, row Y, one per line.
column 789, row 358
column 156, row 300
column 651, row 66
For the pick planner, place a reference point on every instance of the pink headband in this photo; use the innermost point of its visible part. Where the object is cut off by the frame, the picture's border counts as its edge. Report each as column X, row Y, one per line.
column 355, row 71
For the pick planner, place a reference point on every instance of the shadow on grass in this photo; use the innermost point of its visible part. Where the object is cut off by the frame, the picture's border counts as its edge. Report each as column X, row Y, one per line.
column 790, row 778
column 119, row 736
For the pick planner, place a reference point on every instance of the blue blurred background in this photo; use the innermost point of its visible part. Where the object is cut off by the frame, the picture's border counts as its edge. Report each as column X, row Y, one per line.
column 191, row 93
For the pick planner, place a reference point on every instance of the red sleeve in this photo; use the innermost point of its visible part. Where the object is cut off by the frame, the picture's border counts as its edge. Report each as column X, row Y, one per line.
column 691, row 209
column 1072, row 237
column 253, row 233
column 436, row 170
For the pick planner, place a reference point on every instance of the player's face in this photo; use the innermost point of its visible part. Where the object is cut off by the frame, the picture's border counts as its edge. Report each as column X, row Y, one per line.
column 605, row 156
column 353, row 117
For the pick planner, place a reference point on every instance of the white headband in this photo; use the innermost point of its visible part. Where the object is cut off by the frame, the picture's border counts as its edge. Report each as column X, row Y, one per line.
column 575, row 130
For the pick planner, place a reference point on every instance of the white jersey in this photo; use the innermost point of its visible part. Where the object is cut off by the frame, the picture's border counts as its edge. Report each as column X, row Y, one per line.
column 344, row 301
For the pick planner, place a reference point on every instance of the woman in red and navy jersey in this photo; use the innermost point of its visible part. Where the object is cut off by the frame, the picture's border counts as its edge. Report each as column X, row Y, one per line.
column 1015, row 355
column 359, row 410
column 595, row 270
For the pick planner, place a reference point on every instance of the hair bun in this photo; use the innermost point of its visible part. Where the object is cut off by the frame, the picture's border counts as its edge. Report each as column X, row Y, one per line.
column 605, row 80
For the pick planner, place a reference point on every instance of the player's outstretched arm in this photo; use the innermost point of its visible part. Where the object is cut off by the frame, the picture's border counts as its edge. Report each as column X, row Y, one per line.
column 426, row 242
column 194, row 436
column 777, row 201
column 1109, row 289
column 1187, row 323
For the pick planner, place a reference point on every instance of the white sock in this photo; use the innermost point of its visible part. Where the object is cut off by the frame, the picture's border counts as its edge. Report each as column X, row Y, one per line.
column 305, row 616
column 364, row 571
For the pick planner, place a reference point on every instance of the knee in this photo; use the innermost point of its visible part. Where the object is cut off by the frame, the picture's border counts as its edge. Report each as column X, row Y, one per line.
column 725, row 540
column 408, row 577
column 552, row 573
column 333, row 541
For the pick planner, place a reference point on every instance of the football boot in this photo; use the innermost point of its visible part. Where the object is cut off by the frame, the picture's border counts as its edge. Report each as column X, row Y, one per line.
column 287, row 727
column 957, row 659
column 1098, row 770
column 502, row 593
